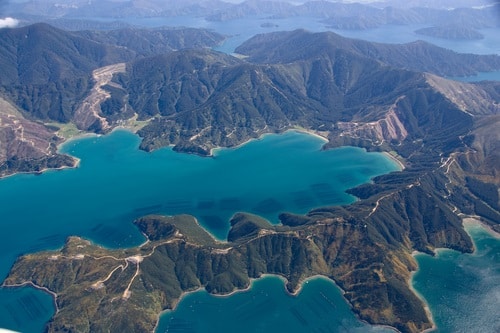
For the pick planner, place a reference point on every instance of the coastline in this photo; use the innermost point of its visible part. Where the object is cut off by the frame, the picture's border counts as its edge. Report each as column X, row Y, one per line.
column 427, row 309
column 76, row 137
column 474, row 221
column 202, row 288
column 342, row 292
column 76, row 164
column 33, row 285
column 61, row 145
column 213, row 151
column 395, row 159
column 65, row 141
column 310, row 132
column 284, row 281
column 468, row 223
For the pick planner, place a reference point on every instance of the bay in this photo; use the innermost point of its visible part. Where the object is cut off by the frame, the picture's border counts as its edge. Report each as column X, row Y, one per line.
column 25, row 309
column 267, row 307
column 116, row 183
column 463, row 290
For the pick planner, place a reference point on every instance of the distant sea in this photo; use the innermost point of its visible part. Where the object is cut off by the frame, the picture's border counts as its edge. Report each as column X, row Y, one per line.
column 240, row 30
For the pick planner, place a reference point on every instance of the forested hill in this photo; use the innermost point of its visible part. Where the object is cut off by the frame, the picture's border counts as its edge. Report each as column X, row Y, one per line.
column 285, row 47
column 47, row 73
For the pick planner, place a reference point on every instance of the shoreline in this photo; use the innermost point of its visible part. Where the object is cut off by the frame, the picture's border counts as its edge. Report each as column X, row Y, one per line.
column 76, row 137
column 475, row 221
column 213, row 151
column 202, row 288
column 310, row 132
column 467, row 222
column 395, row 159
column 342, row 293
column 427, row 308
column 65, row 141
column 60, row 146
column 76, row 164
column 284, row 280
column 35, row 286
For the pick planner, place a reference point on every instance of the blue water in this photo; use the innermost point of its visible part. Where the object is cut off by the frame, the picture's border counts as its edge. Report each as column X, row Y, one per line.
column 267, row 307
column 116, row 183
column 242, row 29
column 481, row 76
column 25, row 309
column 397, row 34
column 463, row 290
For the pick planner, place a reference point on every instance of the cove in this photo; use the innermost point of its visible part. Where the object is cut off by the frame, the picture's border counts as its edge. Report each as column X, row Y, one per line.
column 267, row 307
column 463, row 290
column 117, row 183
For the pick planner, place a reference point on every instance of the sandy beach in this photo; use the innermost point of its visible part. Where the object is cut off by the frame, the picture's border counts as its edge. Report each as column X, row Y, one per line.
column 476, row 222
column 395, row 159
column 214, row 150
column 310, row 132
column 76, row 137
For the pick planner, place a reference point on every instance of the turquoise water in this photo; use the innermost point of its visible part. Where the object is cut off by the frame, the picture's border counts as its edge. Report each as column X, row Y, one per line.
column 267, row 307
column 463, row 290
column 117, row 183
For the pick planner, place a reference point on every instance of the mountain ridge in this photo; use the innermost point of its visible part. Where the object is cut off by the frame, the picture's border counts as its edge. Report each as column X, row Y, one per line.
column 417, row 56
